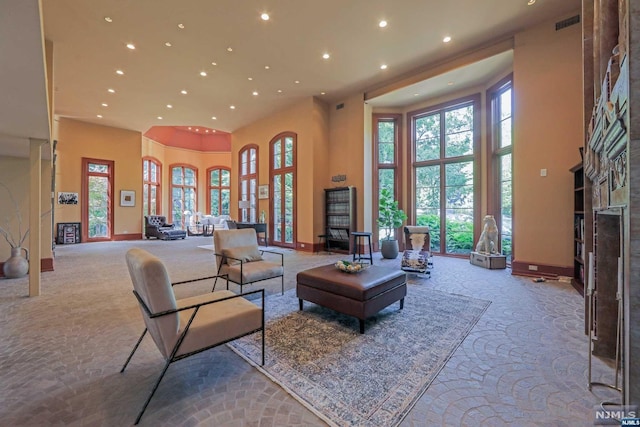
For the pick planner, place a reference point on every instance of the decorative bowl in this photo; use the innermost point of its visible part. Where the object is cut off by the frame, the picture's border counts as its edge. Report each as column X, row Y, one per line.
column 350, row 267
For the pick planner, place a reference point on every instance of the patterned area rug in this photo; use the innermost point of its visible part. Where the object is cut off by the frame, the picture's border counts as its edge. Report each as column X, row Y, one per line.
column 350, row 379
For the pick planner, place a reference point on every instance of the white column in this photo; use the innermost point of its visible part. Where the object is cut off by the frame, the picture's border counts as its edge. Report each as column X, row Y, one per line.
column 35, row 208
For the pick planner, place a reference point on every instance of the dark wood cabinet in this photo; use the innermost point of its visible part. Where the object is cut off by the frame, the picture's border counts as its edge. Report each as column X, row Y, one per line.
column 579, row 255
column 340, row 217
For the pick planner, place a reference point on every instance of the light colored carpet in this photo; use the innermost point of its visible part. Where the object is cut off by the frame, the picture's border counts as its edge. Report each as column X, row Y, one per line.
column 353, row 379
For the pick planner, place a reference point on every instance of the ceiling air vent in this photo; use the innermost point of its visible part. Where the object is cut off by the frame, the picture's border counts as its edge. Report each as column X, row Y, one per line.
column 567, row 22
column 340, row 106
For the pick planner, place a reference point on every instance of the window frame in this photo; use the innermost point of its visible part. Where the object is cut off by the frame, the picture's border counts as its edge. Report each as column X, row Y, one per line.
column 183, row 166
column 85, row 198
column 220, row 188
column 157, row 184
column 281, row 171
column 253, row 197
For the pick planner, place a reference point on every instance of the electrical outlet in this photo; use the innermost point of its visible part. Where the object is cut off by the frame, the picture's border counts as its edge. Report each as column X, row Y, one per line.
column 533, row 267
column 302, row 245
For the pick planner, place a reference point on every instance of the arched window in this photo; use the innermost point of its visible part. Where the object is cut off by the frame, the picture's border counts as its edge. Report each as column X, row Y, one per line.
column 219, row 194
column 152, row 187
column 248, row 183
column 283, row 189
column 184, row 179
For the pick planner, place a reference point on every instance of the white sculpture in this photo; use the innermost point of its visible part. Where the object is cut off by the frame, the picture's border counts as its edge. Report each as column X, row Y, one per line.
column 488, row 242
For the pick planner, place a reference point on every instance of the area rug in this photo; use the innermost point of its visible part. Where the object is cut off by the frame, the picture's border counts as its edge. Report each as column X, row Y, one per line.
column 353, row 379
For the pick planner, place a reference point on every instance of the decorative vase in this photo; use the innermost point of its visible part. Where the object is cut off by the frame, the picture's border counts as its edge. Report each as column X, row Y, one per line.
column 17, row 265
column 389, row 249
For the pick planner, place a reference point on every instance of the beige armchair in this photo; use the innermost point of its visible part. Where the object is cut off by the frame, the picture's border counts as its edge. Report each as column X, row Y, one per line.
column 238, row 256
column 181, row 328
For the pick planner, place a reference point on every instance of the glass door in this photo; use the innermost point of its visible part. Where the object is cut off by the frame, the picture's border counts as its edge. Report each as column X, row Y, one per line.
column 97, row 200
column 283, row 171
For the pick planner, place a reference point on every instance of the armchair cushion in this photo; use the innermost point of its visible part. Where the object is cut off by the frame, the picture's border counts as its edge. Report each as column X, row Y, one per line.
column 242, row 254
column 252, row 271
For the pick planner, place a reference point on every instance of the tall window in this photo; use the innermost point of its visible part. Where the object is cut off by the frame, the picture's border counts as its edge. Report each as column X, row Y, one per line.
column 219, row 196
column 248, row 183
column 386, row 137
column 444, row 145
column 501, row 168
column 151, row 191
column 283, row 181
column 183, row 192
column 97, row 200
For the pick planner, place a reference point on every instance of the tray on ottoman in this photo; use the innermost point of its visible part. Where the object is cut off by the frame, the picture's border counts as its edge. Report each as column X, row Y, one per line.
column 361, row 295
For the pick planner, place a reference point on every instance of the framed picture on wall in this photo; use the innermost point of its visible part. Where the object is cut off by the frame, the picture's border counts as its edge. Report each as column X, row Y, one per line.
column 263, row 191
column 127, row 198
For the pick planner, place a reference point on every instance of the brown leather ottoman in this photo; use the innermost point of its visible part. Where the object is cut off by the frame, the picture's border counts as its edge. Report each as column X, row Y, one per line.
column 360, row 295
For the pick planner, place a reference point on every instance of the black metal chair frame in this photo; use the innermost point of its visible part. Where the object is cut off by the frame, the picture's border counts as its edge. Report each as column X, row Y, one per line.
column 173, row 358
column 223, row 259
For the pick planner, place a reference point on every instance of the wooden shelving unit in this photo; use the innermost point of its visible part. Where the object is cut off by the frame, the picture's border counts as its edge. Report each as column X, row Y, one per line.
column 340, row 217
column 579, row 255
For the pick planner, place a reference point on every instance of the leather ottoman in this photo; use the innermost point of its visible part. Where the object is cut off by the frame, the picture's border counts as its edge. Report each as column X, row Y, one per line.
column 361, row 295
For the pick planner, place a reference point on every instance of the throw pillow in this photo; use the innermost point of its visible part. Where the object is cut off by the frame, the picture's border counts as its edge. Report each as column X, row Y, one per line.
column 244, row 253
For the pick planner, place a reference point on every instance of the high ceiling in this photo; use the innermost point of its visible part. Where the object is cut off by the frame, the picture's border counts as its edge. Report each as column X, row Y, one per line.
column 88, row 50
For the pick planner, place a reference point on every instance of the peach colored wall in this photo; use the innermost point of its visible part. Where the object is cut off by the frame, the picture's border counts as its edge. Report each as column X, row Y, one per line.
column 79, row 139
column 307, row 119
column 14, row 173
column 346, row 148
column 548, row 131
column 200, row 160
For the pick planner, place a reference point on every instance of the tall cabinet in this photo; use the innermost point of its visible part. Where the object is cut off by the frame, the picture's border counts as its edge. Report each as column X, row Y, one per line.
column 578, row 229
column 340, row 217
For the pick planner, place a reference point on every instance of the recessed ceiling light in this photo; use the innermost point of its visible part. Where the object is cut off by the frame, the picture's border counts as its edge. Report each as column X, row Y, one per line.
column 266, row 67
column 168, row 44
column 214, row 118
column 322, row 93
column 297, row 81
column 104, row 104
column 184, row 92
column 213, row 130
column 169, row 106
column 99, row 116
column 203, row 73
column 447, row 39
column 382, row 23
column 255, row 93
column 159, row 117
column 229, row 49
column 383, row 67
column 207, row 130
column 120, row 72
column 249, row 78
column 108, row 19
column 214, row 63
column 131, row 46
column 279, row 90
column 111, row 91
column 233, row 107
column 326, row 56
column 197, row 130
column 265, row 16
column 189, row 127
column 181, row 26
column 530, row 2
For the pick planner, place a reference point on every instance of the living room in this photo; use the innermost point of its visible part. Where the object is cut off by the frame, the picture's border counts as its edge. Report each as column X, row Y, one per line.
column 334, row 137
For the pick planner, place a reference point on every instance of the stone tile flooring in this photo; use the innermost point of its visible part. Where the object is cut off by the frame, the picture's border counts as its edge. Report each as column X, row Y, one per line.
column 524, row 363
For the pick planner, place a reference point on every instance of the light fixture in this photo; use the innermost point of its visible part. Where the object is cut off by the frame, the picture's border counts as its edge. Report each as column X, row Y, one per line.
column 530, row 2
column 99, row 116
column 249, row 78
column 104, row 104
column 181, row 26
column 447, row 39
column 131, row 46
column 168, row 44
column 323, row 93
column 184, row 92
column 297, row 81
column 264, row 16
column 266, row 67
column 214, row 118
column 214, row 63
column 383, row 67
column 279, row 90
column 207, row 131
column 233, row 107
column 255, row 93
column 169, row 106
column 108, row 19
column 120, row 72
column 203, row 73
column 382, row 24
column 111, row 91
column 159, row 117
column 326, row 56
column 229, row 49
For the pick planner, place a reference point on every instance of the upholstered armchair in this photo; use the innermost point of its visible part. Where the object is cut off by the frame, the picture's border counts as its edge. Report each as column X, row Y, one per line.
column 157, row 226
column 417, row 256
column 238, row 256
column 184, row 327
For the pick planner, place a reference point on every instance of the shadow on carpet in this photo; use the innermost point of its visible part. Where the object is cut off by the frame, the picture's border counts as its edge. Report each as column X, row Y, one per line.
column 350, row 379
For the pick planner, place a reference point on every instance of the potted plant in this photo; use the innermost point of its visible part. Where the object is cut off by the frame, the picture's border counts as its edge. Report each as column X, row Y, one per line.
column 390, row 217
